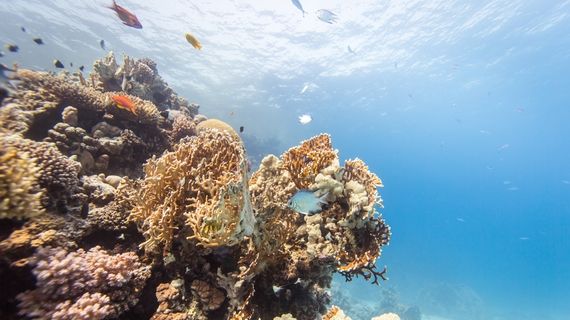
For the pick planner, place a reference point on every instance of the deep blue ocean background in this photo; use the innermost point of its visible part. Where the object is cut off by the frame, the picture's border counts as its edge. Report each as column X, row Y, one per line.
column 461, row 107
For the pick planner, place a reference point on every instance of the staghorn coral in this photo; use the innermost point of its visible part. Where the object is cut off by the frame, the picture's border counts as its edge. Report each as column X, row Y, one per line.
column 80, row 284
column 198, row 191
column 19, row 193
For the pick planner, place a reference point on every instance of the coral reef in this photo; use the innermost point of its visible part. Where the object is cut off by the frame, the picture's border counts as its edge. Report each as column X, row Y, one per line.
column 150, row 211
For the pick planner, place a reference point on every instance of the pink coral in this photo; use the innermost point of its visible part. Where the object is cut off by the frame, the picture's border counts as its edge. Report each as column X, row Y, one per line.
column 83, row 285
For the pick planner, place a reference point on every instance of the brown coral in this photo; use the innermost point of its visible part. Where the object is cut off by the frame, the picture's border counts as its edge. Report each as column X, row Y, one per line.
column 210, row 296
column 304, row 162
column 198, row 191
column 19, row 192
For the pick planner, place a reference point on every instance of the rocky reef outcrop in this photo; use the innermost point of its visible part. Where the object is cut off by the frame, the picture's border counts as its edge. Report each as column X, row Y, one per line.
column 150, row 212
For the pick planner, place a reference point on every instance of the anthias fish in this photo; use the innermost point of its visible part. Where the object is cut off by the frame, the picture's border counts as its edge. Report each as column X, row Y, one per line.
column 128, row 18
column 306, row 202
column 38, row 40
column 193, row 40
column 125, row 102
column 102, row 44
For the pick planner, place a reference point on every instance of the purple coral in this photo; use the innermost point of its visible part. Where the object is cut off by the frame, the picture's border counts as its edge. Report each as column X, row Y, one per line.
column 83, row 285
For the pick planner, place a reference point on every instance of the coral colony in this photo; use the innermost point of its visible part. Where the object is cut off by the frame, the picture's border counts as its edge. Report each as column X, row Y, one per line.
column 108, row 213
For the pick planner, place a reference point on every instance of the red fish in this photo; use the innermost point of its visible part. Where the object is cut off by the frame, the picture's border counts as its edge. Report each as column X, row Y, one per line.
column 128, row 18
column 125, row 102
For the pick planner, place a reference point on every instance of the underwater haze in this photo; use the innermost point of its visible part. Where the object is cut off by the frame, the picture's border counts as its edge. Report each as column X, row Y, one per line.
column 462, row 108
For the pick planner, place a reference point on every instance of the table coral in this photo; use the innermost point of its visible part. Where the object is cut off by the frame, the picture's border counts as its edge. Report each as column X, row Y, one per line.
column 83, row 284
column 198, row 191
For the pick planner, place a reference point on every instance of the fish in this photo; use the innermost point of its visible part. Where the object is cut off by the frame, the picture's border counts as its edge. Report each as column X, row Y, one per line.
column 124, row 83
column 350, row 49
column 23, row 29
column 38, row 40
column 306, row 202
column 128, row 18
column 193, row 40
column 12, row 47
column 102, row 44
column 71, row 64
column 305, row 118
column 299, row 6
column 1, row 54
column 58, row 64
column 326, row 16
column 81, row 68
column 241, row 129
column 124, row 102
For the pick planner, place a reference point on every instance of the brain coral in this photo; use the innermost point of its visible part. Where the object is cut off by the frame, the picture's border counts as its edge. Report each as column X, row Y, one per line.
column 198, row 191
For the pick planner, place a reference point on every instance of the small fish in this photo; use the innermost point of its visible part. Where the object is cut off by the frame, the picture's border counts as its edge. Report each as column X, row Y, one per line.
column 102, row 44
column 241, row 129
column 460, row 219
column 299, row 6
column 23, row 29
column 38, row 40
column 1, row 54
column 306, row 202
column 193, row 40
column 58, row 64
column 128, row 18
column 125, row 102
column 81, row 68
column 565, row 181
column 71, row 64
column 326, row 16
column 305, row 119
column 124, row 83
column 524, row 238
column 12, row 47
column 350, row 50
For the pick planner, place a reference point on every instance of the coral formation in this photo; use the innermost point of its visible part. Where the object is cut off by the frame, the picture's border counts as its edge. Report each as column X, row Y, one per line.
column 19, row 193
column 187, row 231
column 198, row 191
column 138, row 78
column 83, row 285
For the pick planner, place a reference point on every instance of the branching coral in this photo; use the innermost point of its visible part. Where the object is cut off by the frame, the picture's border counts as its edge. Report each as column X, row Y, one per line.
column 19, row 192
column 83, row 285
column 198, row 191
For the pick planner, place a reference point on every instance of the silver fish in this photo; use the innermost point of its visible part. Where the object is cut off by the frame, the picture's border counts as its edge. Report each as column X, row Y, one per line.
column 299, row 6
column 4, row 79
column 326, row 16
column 306, row 202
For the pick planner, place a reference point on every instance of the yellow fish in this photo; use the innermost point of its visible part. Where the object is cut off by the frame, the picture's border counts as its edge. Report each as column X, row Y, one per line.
column 193, row 41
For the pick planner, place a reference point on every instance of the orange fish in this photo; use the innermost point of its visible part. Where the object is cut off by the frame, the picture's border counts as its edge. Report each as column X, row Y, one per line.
column 128, row 18
column 125, row 102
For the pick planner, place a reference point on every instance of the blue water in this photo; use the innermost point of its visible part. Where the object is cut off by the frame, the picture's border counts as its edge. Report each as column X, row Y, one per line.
column 461, row 107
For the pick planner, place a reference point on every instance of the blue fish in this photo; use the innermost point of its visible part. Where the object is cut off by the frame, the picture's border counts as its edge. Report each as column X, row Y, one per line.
column 299, row 6
column 327, row 16
column 306, row 202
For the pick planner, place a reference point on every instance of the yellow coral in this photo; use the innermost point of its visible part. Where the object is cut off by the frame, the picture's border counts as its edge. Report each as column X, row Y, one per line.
column 304, row 162
column 198, row 191
column 18, row 180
